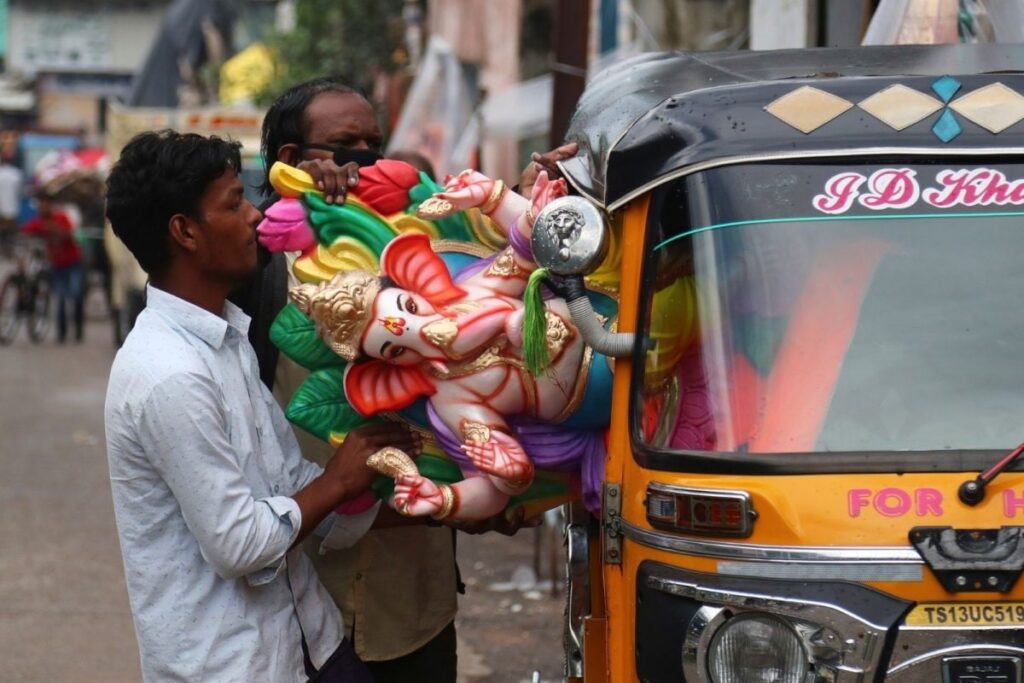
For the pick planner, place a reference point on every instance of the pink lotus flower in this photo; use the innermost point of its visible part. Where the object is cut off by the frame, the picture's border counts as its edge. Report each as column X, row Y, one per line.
column 284, row 227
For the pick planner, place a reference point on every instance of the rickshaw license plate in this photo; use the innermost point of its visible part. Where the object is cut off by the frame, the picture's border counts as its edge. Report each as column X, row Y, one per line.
column 953, row 615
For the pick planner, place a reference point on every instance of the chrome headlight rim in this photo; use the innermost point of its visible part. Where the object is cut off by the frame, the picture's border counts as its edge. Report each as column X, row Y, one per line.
column 780, row 626
column 708, row 621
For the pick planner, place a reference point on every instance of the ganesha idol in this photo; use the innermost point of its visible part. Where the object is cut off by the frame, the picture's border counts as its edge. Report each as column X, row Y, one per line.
column 437, row 338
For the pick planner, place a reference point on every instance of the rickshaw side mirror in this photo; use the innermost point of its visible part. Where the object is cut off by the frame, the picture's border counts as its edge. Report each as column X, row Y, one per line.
column 570, row 240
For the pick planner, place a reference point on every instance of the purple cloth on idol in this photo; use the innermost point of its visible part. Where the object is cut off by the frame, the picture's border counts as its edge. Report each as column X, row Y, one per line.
column 520, row 244
column 550, row 447
column 473, row 268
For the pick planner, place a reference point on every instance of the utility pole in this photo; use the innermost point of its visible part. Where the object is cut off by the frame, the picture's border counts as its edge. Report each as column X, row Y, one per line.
column 572, row 29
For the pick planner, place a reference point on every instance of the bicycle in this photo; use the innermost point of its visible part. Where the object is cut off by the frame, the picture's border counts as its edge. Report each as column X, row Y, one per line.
column 26, row 294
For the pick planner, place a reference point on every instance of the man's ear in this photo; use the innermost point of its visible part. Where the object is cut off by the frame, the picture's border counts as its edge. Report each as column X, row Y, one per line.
column 183, row 232
column 289, row 154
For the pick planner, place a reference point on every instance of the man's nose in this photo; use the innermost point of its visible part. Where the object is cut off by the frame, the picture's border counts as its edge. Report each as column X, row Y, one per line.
column 255, row 215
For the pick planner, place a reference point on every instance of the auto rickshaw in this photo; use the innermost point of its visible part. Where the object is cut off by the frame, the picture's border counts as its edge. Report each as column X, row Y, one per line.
column 812, row 473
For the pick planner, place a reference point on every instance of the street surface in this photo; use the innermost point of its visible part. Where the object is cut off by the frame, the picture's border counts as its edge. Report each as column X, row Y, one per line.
column 64, row 612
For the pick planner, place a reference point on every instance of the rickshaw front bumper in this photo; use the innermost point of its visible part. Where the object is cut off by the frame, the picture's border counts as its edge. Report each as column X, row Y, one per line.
column 706, row 627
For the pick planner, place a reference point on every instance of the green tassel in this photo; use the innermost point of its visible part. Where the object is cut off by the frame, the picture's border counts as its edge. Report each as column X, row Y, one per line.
column 535, row 347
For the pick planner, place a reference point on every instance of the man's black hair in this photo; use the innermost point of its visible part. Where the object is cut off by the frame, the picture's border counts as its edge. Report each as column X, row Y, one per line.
column 161, row 174
column 285, row 122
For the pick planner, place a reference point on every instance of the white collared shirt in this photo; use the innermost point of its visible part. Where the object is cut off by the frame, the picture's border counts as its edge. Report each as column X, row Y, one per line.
column 202, row 467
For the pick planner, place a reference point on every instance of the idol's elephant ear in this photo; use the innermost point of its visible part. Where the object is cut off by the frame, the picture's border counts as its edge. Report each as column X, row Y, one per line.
column 373, row 386
column 410, row 261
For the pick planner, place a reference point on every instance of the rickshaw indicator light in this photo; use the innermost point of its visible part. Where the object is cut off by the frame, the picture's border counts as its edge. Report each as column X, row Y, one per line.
column 700, row 511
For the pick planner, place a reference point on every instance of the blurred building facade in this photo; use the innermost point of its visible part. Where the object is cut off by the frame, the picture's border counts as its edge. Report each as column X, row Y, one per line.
column 80, row 55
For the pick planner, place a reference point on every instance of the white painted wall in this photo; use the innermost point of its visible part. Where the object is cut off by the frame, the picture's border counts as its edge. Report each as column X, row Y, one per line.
column 60, row 38
column 780, row 24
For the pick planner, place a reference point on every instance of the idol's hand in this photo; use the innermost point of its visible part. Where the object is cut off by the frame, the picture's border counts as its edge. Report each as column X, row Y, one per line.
column 502, row 457
column 470, row 190
column 417, row 496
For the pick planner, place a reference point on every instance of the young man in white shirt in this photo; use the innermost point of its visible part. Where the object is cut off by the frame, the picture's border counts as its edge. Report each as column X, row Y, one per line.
column 211, row 494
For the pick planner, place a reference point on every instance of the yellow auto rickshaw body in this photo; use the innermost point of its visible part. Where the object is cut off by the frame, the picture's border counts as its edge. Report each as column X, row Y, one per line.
column 791, row 548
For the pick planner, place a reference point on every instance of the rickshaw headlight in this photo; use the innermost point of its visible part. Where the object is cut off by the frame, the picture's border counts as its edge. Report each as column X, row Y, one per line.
column 757, row 648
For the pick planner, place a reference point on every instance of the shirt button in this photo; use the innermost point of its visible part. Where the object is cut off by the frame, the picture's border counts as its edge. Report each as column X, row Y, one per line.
column 359, row 576
column 276, row 488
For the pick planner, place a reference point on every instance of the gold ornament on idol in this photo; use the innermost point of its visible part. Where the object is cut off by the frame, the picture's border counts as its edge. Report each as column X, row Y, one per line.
column 497, row 194
column 447, row 502
column 442, row 333
column 392, row 462
column 435, row 208
column 340, row 307
column 476, row 432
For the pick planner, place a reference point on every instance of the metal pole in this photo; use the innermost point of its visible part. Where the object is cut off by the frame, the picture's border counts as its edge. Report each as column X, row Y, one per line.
column 572, row 30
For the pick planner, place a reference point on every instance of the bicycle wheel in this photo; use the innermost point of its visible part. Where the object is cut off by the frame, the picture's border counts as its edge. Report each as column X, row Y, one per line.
column 8, row 310
column 39, row 316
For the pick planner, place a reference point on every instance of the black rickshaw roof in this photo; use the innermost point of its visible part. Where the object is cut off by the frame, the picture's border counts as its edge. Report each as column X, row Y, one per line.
column 647, row 119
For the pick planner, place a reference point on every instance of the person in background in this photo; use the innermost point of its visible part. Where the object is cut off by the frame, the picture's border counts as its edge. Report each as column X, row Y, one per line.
column 11, row 181
column 211, row 495
column 54, row 227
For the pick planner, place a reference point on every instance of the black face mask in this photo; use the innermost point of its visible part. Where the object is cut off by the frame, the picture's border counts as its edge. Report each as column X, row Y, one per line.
column 344, row 155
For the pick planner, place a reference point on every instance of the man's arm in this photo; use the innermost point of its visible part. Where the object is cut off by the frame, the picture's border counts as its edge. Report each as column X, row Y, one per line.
column 346, row 474
column 183, row 429
column 544, row 162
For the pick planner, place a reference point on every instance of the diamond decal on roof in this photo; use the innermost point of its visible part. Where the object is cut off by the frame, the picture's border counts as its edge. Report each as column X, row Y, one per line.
column 807, row 108
column 899, row 106
column 946, row 87
column 994, row 107
column 947, row 127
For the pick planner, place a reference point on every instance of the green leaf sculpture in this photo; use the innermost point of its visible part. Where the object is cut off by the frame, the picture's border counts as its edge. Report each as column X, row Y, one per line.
column 296, row 336
column 319, row 405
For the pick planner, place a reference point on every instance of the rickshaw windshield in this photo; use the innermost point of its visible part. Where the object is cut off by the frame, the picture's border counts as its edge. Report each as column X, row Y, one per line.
column 813, row 308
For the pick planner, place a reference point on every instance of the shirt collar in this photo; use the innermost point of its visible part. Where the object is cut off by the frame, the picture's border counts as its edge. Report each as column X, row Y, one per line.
column 209, row 327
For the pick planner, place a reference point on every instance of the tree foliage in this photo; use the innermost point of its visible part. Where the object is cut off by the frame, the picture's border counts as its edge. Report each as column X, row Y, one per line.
column 354, row 39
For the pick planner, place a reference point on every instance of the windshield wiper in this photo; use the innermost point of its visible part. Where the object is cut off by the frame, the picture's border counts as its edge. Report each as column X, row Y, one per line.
column 972, row 491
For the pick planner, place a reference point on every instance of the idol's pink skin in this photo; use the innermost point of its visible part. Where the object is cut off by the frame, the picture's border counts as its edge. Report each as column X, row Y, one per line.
column 471, row 190
column 502, row 456
column 399, row 337
column 461, row 344
column 284, row 227
column 418, row 496
column 494, row 317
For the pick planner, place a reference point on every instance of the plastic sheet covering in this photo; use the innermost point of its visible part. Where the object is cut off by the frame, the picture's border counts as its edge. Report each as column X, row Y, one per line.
column 438, row 110
column 524, row 110
column 909, row 22
column 993, row 21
